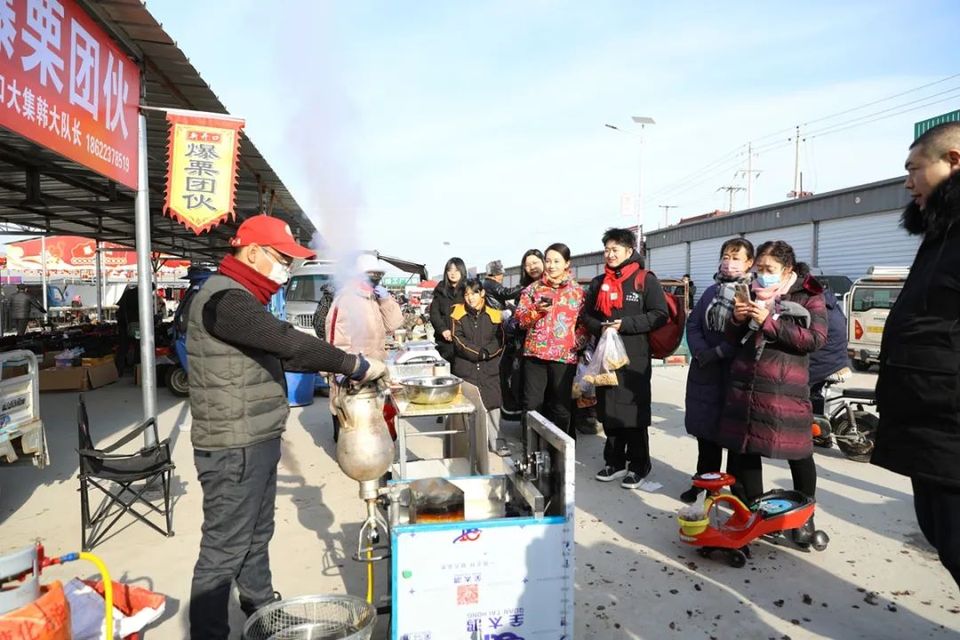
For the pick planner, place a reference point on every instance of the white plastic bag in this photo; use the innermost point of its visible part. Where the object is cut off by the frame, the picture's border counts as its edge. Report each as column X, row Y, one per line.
column 609, row 356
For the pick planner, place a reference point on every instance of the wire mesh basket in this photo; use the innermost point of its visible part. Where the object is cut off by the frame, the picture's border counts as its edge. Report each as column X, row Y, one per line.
column 336, row 617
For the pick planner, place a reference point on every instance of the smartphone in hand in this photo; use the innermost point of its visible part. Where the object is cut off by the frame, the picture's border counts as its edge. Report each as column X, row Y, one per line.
column 741, row 293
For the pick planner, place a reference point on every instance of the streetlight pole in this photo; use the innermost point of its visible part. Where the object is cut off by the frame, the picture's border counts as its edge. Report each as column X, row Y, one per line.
column 642, row 121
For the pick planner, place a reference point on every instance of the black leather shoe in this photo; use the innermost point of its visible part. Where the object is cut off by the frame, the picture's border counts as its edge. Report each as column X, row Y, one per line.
column 690, row 495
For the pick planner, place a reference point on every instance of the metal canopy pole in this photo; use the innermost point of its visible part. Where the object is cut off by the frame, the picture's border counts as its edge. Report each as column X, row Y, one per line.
column 43, row 278
column 148, row 366
column 99, row 282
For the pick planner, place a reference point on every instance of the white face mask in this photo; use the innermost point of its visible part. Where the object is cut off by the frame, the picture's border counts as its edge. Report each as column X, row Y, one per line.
column 278, row 273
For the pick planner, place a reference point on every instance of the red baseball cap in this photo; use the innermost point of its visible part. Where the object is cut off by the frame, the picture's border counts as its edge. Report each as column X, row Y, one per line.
column 268, row 231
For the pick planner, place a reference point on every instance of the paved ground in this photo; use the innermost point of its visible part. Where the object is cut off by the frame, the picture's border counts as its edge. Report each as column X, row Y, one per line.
column 634, row 578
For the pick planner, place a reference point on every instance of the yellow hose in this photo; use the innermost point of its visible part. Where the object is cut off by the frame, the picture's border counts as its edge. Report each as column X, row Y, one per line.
column 107, row 591
column 369, row 576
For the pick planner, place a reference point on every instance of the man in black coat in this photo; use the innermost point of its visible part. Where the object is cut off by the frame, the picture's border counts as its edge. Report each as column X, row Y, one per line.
column 918, row 391
column 629, row 300
column 498, row 295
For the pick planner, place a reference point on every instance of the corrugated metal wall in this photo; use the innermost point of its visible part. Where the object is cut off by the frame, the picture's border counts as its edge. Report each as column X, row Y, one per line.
column 799, row 237
column 704, row 260
column 850, row 245
column 588, row 272
column 669, row 262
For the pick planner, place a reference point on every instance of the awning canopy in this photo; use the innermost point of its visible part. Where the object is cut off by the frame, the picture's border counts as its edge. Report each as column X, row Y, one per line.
column 42, row 190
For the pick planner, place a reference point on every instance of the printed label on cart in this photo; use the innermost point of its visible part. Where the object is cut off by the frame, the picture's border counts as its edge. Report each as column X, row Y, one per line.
column 493, row 583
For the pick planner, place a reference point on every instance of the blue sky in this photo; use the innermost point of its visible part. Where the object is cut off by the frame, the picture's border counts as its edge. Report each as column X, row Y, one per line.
column 402, row 126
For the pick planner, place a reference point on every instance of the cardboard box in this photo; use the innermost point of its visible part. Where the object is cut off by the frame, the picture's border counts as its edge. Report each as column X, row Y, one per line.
column 78, row 378
column 102, row 374
column 63, row 379
column 92, row 362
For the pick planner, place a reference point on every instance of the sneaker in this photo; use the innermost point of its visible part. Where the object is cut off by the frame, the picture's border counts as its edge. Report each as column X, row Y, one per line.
column 609, row 473
column 631, row 480
column 690, row 495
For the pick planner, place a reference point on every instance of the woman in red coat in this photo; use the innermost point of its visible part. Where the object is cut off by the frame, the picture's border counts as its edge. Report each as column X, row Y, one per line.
column 767, row 412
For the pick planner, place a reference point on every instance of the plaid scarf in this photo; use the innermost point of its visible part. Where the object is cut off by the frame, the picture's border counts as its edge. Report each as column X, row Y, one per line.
column 721, row 307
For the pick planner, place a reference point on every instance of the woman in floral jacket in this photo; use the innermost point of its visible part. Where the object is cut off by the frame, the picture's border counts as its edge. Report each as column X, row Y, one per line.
column 548, row 311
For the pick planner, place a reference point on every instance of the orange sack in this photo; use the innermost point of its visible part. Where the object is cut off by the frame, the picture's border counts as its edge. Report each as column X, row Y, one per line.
column 46, row 618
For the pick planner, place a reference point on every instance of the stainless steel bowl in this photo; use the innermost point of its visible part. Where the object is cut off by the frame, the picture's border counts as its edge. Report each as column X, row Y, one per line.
column 431, row 389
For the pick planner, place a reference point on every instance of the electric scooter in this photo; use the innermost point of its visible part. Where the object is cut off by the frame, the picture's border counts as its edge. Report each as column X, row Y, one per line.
column 845, row 421
column 729, row 532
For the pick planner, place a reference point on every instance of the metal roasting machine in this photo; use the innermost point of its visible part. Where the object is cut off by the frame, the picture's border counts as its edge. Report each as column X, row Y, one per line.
column 479, row 547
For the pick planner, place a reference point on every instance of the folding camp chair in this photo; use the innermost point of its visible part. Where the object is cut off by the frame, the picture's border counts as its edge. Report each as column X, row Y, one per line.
column 114, row 474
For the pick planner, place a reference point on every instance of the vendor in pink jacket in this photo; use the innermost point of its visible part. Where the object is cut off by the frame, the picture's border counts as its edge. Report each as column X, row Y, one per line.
column 364, row 312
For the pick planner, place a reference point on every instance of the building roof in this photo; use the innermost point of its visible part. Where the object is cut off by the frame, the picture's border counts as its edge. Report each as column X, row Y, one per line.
column 873, row 197
column 43, row 190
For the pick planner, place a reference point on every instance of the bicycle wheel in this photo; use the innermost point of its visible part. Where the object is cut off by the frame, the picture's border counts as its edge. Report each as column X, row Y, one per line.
column 856, row 441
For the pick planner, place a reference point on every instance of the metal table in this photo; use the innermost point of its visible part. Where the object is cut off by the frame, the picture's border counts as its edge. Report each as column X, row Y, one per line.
column 460, row 422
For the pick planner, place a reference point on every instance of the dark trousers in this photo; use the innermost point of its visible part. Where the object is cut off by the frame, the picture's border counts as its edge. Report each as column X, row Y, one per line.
column 548, row 388
column 21, row 324
column 709, row 456
column 816, row 398
column 123, row 351
column 938, row 513
column 628, row 448
column 748, row 470
column 239, row 493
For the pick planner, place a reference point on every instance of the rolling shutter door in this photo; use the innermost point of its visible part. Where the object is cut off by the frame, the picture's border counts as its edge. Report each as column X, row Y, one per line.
column 668, row 262
column 704, row 260
column 850, row 246
column 799, row 237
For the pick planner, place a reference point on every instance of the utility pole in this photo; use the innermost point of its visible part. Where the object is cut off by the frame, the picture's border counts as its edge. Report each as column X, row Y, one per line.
column 796, row 166
column 748, row 174
column 731, row 189
column 666, row 211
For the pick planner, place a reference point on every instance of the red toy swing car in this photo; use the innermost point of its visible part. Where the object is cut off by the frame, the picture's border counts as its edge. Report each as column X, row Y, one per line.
column 730, row 534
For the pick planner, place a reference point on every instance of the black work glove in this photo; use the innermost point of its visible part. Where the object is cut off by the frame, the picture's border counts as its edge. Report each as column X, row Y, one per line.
column 484, row 355
column 708, row 357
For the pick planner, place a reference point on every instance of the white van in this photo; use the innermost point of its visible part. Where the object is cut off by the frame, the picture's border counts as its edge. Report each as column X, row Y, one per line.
column 305, row 290
column 868, row 304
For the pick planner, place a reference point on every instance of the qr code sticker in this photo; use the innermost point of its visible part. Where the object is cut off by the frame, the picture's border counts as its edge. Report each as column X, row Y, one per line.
column 468, row 594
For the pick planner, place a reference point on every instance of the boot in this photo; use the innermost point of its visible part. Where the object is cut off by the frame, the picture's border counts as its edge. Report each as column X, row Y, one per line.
column 804, row 535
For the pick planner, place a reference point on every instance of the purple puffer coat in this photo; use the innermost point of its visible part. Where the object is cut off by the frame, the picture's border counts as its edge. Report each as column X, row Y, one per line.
column 767, row 408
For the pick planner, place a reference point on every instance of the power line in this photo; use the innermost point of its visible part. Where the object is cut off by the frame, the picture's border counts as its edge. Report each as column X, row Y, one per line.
column 859, row 107
column 723, row 163
column 870, row 104
column 951, row 92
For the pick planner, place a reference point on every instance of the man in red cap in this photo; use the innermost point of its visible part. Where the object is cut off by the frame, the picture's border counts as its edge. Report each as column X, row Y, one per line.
column 237, row 353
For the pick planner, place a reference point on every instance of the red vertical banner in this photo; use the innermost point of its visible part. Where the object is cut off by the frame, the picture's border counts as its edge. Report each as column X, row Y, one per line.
column 202, row 169
column 66, row 85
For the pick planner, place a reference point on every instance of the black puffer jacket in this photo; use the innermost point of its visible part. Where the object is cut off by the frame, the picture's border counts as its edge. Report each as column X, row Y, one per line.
column 918, row 391
column 498, row 295
column 440, row 310
column 478, row 344
column 627, row 406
